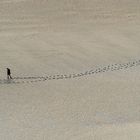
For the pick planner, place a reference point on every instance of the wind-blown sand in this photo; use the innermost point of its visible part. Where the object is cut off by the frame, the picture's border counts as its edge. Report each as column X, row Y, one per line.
column 75, row 65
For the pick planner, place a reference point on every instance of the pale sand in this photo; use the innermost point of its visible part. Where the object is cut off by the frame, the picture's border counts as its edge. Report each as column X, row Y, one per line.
column 50, row 37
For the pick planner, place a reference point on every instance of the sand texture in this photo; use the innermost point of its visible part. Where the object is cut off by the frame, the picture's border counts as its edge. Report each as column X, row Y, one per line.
column 76, row 69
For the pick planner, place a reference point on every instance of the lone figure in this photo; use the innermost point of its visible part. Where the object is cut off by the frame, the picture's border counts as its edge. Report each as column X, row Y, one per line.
column 9, row 74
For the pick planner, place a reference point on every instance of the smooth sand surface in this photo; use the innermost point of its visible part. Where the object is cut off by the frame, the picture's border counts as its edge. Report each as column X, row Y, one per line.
column 63, row 38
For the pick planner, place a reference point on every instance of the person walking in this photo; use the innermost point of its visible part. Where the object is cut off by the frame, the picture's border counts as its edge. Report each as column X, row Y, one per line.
column 9, row 74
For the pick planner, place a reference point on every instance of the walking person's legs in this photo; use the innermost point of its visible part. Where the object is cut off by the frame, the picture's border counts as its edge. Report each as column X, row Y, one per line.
column 10, row 76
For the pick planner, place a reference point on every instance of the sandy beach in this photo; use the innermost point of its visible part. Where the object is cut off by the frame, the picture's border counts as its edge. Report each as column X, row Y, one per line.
column 76, row 70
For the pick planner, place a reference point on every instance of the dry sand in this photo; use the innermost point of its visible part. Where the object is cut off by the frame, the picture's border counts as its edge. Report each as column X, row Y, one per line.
column 57, row 37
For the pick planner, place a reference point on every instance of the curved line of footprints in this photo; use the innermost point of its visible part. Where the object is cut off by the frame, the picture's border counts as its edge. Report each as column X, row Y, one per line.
column 113, row 67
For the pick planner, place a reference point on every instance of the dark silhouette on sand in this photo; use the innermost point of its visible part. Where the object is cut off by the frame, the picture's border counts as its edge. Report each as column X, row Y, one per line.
column 9, row 74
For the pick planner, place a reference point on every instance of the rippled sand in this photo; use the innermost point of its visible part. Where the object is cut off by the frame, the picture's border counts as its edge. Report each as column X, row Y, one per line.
column 75, row 68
